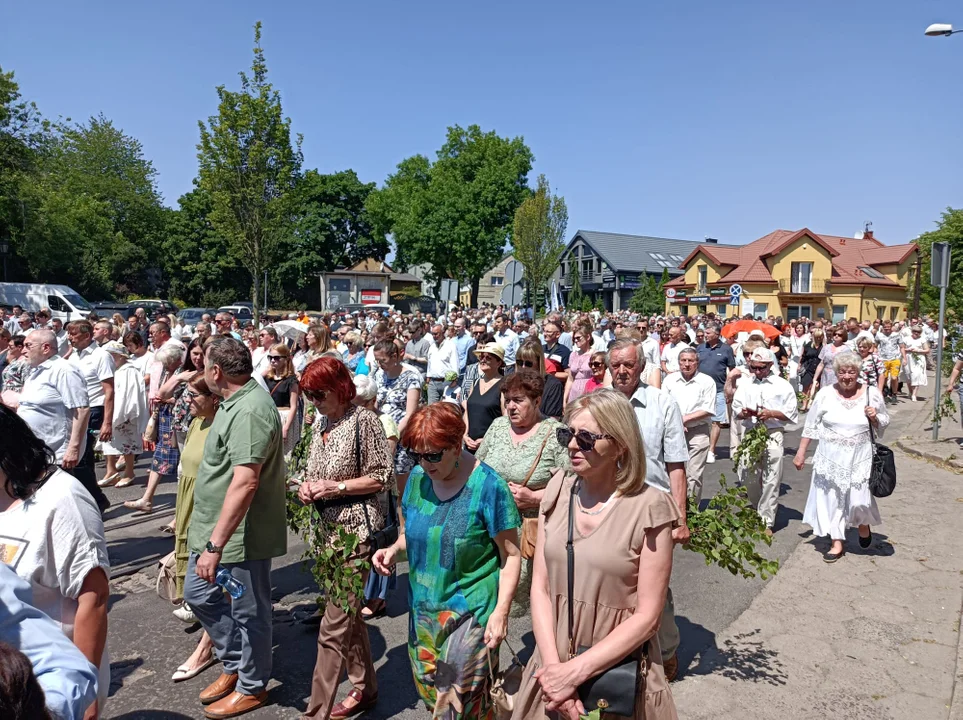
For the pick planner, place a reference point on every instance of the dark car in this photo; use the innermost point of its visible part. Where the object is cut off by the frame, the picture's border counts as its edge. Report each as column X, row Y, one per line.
column 106, row 308
column 192, row 316
column 153, row 308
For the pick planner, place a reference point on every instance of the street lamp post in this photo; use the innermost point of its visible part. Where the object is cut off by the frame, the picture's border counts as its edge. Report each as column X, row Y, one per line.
column 940, row 30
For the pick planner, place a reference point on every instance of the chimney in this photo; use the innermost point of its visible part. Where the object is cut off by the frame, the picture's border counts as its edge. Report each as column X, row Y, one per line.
column 842, row 241
column 868, row 230
column 712, row 241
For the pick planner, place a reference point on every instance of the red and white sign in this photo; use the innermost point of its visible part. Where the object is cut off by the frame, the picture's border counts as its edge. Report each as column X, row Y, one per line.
column 670, row 292
column 370, row 297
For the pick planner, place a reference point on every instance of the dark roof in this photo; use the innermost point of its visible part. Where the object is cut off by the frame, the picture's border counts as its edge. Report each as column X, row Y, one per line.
column 631, row 252
column 404, row 277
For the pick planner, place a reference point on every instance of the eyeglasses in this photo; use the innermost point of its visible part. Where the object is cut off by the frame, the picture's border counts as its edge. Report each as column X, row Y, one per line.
column 272, row 358
column 526, row 363
column 191, row 394
column 432, row 457
column 315, row 395
column 583, row 438
column 758, row 368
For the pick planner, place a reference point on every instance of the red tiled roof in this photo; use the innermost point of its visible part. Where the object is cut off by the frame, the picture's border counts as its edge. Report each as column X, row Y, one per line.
column 848, row 255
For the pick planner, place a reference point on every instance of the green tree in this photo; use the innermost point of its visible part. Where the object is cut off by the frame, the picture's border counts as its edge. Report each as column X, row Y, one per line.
column 249, row 167
column 576, row 294
column 539, row 237
column 457, row 212
column 648, row 298
column 949, row 230
column 331, row 228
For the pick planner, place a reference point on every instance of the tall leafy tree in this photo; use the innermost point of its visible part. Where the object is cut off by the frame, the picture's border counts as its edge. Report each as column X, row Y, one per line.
column 331, row 228
column 949, row 230
column 538, row 237
column 250, row 168
column 457, row 212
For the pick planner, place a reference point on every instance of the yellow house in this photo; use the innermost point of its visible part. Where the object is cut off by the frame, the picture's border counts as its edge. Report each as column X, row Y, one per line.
column 796, row 274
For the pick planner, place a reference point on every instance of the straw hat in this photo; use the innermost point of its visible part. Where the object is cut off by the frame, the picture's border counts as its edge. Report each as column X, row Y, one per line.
column 491, row 349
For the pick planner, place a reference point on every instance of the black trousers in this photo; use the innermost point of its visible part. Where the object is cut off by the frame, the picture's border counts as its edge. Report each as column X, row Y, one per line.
column 84, row 471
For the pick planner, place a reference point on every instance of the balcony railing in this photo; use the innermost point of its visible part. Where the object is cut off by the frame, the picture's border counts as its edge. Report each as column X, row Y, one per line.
column 797, row 287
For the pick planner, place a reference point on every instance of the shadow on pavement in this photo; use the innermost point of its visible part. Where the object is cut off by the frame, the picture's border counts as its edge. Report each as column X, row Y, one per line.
column 121, row 670
column 693, row 639
column 741, row 658
column 880, row 547
column 152, row 715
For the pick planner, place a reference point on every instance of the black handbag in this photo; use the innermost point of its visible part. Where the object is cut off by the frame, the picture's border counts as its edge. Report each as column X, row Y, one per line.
column 882, row 474
column 616, row 690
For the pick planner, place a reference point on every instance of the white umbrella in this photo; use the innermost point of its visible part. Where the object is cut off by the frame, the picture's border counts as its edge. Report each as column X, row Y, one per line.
column 290, row 329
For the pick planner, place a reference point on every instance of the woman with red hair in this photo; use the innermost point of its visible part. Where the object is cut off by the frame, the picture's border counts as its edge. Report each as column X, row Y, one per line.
column 461, row 542
column 348, row 469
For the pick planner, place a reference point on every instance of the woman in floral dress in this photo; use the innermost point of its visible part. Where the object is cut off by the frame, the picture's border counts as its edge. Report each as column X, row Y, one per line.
column 399, row 392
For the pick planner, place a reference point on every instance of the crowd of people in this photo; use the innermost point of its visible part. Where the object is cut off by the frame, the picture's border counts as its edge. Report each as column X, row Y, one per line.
column 504, row 444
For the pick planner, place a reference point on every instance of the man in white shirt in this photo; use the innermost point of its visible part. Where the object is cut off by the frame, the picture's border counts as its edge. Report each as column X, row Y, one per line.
column 649, row 349
column 695, row 392
column 97, row 368
column 442, row 360
column 259, row 358
column 507, row 339
column 63, row 342
column 862, row 332
column 102, row 332
column 772, row 400
column 670, row 353
column 888, row 343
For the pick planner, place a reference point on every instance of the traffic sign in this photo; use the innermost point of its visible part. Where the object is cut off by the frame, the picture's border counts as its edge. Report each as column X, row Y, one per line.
column 514, row 272
column 449, row 290
column 734, row 300
column 735, row 290
column 511, row 295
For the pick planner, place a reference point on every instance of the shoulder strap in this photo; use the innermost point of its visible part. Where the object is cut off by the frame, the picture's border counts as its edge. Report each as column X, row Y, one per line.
column 538, row 457
column 872, row 436
column 570, row 551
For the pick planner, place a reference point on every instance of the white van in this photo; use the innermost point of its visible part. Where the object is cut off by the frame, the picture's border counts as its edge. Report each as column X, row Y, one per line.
column 64, row 302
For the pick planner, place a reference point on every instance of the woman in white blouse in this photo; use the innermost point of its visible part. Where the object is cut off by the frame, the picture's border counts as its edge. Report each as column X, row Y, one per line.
column 839, row 497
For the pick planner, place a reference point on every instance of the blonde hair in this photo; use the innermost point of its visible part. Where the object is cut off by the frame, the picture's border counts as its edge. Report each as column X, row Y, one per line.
column 613, row 414
column 532, row 352
column 287, row 367
column 818, row 334
column 866, row 342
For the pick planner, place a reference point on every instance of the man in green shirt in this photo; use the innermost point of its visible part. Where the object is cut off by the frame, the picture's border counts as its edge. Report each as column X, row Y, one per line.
column 238, row 524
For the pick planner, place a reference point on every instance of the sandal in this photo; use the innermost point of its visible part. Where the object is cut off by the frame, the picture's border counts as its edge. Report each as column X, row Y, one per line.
column 125, row 482
column 368, row 614
column 185, row 673
column 829, row 557
column 109, row 480
column 167, row 529
column 142, row 506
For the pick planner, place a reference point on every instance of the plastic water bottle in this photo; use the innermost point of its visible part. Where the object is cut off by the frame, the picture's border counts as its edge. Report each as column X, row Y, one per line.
column 234, row 587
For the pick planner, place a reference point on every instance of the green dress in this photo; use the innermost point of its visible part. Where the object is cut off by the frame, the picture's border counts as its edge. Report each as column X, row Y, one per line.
column 190, row 461
column 453, row 568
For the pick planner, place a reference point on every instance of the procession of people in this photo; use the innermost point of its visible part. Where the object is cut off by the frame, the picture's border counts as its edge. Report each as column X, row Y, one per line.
column 495, row 452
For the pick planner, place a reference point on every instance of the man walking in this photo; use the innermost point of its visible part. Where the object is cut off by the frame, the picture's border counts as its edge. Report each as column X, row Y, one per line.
column 716, row 360
column 695, row 393
column 670, row 353
column 769, row 399
column 666, row 453
column 442, row 360
column 238, row 525
column 888, row 343
column 97, row 369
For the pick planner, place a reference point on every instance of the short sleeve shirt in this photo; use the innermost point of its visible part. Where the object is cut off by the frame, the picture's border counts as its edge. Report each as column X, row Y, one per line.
column 663, row 434
column 50, row 391
column 716, row 362
column 245, row 431
column 96, row 366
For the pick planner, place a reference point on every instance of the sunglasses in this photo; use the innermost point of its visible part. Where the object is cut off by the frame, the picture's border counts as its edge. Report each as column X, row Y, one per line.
column 583, row 438
column 526, row 363
column 272, row 358
column 315, row 395
column 432, row 457
column 596, row 365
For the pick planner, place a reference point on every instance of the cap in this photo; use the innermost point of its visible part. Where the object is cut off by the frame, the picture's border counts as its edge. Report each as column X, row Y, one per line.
column 492, row 349
column 116, row 348
column 761, row 355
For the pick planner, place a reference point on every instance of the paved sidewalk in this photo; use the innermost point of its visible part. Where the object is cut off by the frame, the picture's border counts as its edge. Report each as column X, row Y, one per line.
column 875, row 636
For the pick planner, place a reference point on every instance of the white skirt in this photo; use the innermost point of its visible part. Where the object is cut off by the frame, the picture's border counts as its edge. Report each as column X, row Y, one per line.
column 831, row 511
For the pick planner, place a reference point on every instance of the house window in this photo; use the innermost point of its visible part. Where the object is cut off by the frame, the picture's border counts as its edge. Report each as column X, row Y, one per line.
column 760, row 310
column 586, row 269
column 802, row 273
column 339, row 285
column 498, row 280
column 598, row 266
column 871, row 272
column 721, row 310
column 881, row 313
column 703, row 275
column 794, row 312
column 893, row 312
column 839, row 313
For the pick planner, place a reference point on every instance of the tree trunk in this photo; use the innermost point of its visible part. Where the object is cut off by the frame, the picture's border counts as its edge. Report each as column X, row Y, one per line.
column 257, row 292
column 474, row 291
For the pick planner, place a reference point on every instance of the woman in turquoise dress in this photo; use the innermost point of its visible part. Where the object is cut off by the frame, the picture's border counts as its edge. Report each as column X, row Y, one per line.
column 461, row 541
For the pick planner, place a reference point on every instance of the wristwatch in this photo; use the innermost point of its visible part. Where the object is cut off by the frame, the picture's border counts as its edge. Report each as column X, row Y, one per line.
column 212, row 548
column 342, row 488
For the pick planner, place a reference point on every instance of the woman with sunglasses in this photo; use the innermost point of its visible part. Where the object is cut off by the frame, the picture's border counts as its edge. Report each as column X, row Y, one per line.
column 620, row 530
column 531, row 356
column 579, row 372
column 598, row 367
column 203, row 407
column 483, row 403
column 461, row 543
column 349, row 468
column 283, row 385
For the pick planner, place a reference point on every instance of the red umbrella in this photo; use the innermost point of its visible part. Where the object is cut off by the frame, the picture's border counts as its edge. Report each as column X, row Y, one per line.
column 733, row 329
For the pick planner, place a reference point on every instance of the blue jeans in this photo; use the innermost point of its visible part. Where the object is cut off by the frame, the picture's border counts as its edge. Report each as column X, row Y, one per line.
column 241, row 630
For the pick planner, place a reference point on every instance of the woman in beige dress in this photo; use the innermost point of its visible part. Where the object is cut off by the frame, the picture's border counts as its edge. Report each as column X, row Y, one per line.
column 623, row 559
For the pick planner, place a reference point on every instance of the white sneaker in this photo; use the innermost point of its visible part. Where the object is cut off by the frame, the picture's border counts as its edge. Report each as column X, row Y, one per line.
column 711, row 458
column 185, row 614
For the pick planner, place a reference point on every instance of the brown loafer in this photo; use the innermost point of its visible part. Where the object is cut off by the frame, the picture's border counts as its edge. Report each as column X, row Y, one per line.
column 220, row 688
column 237, row 703
column 340, row 712
column 671, row 668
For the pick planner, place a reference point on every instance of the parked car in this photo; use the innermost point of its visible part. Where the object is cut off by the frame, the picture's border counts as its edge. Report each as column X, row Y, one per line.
column 106, row 308
column 154, row 307
column 242, row 313
column 192, row 316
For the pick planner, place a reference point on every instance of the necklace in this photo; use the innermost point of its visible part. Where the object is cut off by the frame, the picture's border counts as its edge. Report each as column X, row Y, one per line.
column 581, row 508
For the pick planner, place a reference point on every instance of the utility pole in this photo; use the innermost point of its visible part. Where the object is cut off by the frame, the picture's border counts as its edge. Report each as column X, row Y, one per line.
column 939, row 276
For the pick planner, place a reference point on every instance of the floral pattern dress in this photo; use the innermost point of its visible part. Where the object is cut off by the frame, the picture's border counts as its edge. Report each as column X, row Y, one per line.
column 453, row 569
column 393, row 402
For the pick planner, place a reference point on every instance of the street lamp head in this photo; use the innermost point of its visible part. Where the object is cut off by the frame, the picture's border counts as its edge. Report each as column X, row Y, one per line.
column 938, row 29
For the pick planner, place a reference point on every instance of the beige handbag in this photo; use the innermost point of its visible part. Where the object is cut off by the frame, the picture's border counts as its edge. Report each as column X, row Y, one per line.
column 528, row 533
column 505, row 684
column 167, row 577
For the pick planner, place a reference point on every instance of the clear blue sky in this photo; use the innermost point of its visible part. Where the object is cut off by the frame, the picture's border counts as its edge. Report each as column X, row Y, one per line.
column 680, row 119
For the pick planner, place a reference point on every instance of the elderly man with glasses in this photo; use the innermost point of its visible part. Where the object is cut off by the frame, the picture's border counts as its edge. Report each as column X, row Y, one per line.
column 771, row 400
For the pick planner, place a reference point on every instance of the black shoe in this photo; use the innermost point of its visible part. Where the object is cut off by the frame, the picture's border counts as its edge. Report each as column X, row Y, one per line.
column 831, row 558
column 865, row 542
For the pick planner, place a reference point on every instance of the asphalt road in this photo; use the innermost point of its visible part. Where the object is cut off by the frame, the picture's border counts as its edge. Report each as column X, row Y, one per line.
column 147, row 643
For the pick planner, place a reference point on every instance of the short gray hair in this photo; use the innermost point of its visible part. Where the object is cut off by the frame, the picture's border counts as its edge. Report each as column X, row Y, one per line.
column 365, row 388
column 44, row 337
column 847, row 359
column 230, row 355
column 619, row 345
column 168, row 354
column 689, row 351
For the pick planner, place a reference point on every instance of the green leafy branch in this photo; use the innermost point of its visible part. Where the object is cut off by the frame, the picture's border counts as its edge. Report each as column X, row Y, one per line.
column 946, row 409
column 752, row 448
column 727, row 531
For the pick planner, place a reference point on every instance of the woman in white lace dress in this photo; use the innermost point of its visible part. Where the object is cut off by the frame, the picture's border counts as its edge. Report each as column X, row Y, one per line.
column 839, row 497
